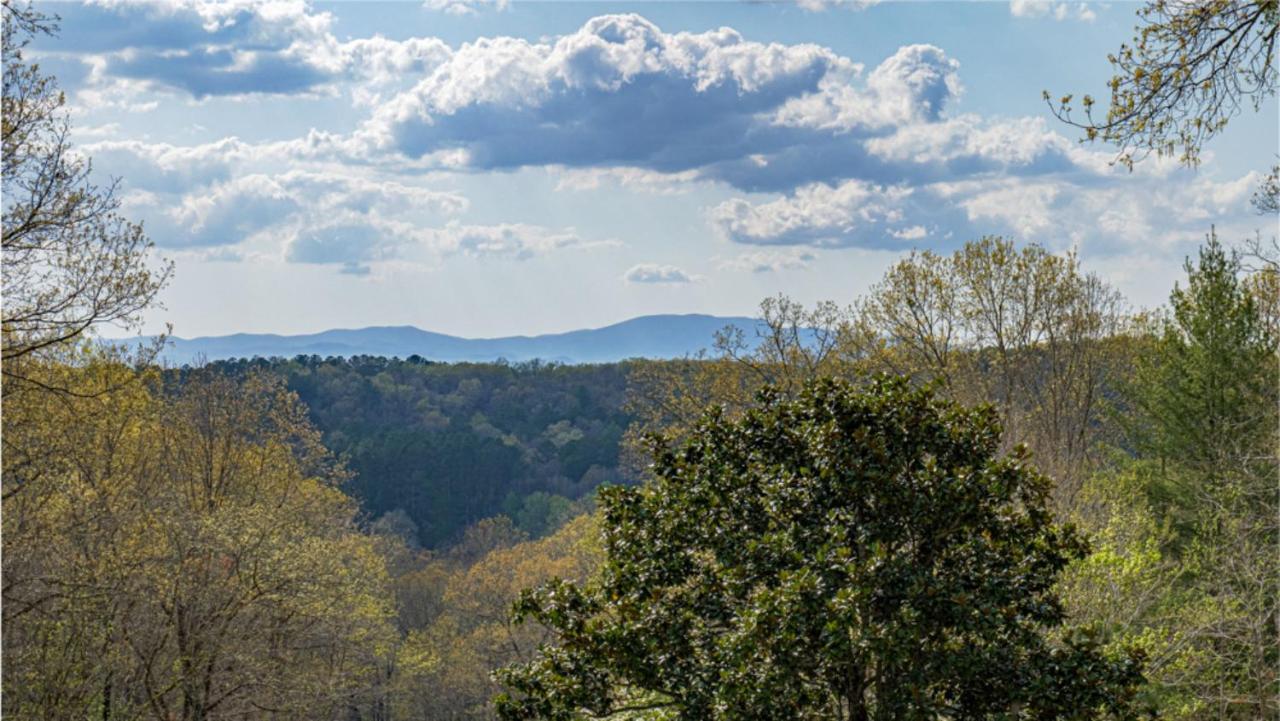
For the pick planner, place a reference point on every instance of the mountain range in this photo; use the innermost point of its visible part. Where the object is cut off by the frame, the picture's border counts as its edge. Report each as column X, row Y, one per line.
column 651, row 336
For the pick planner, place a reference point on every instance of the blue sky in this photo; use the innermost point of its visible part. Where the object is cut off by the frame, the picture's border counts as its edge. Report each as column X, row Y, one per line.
column 498, row 168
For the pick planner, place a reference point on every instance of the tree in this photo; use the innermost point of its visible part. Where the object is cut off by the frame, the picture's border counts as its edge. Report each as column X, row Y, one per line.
column 71, row 262
column 791, row 345
column 186, row 554
column 446, row 660
column 846, row 554
column 1023, row 328
column 1266, row 199
column 1205, row 405
column 1206, row 397
column 1191, row 66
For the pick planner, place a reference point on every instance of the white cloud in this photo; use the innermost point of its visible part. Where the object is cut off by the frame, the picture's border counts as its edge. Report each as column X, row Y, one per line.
column 1026, row 208
column 825, row 152
column 820, row 215
column 654, row 273
column 206, row 47
column 636, row 179
column 769, row 261
column 1116, row 214
column 619, row 92
column 231, row 212
column 518, row 241
column 385, row 62
column 464, row 7
column 309, row 204
column 355, row 241
column 912, row 232
column 164, row 167
column 980, row 146
column 820, row 5
column 913, row 85
column 1052, row 8
column 136, row 49
column 349, row 240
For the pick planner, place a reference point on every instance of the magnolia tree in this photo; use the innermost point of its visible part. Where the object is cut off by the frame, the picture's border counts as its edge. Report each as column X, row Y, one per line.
column 845, row 553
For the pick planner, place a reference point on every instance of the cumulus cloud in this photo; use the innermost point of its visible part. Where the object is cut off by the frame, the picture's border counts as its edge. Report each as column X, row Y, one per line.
column 621, row 93
column 230, row 213
column 205, row 47
column 913, row 85
column 826, row 152
column 1110, row 215
column 618, row 92
column 972, row 144
column 213, row 48
column 384, row 61
column 315, row 206
column 313, row 194
column 1052, row 8
column 1025, row 208
column 351, row 242
column 617, row 101
column 854, row 213
column 654, row 273
column 165, row 167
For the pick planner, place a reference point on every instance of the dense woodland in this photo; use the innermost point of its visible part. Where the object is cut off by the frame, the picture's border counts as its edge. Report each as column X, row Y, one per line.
column 445, row 445
column 986, row 488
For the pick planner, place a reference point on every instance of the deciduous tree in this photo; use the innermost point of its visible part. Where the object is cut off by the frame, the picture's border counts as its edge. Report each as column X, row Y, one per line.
column 71, row 263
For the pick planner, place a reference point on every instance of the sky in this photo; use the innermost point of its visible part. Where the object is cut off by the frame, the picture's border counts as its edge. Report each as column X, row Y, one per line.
column 488, row 168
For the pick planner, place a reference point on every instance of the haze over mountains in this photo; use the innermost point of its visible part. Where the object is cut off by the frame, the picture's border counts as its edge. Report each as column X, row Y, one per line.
column 652, row 336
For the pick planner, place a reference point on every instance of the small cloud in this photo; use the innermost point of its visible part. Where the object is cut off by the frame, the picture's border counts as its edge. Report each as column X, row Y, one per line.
column 1052, row 8
column 815, row 6
column 464, row 7
column 95, row 132
column 518, row 241
column 914, row 232
column 770, row 261
column 637, row 179
column 654, row 273
column 851, row 214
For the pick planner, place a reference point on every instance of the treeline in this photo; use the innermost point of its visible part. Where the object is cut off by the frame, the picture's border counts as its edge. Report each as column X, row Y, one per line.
column 178, row 543
column 441, row 446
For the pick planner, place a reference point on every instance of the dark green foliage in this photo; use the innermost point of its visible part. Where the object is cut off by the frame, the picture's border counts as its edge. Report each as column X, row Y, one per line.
column 1205, row 396
column 540, row 513
column 450, row 444
column 850, row 554
column 1206, row 399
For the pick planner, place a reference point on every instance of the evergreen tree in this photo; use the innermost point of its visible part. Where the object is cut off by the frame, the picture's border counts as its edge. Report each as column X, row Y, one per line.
column 847, row 554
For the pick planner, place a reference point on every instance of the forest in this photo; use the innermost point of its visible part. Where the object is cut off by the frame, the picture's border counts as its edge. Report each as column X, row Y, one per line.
column 988, row 487
column 443, row 446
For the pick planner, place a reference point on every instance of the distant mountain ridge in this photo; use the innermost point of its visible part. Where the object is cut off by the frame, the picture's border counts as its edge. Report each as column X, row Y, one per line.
column 651, row 336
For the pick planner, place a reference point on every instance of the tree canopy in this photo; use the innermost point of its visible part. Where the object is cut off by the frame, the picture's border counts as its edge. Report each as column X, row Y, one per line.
column 846, row 554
